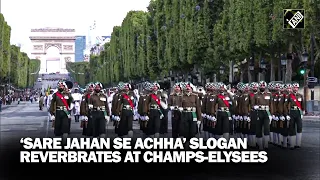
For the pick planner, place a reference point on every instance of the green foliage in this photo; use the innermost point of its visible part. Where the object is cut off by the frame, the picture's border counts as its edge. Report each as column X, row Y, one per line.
column 176, row 35
column 15, row 66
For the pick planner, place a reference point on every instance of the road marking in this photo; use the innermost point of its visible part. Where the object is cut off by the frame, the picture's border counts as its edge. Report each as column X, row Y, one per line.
column 5, row 130
column 31, row 129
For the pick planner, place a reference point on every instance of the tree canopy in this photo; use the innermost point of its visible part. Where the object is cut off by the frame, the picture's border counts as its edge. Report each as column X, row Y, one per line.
column 15, row 66
column 177, row 36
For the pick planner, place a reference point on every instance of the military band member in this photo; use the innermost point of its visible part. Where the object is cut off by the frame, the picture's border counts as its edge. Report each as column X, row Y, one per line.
column 252, row 121
column 222, row 105
column 85, row 112
column 125, row 110
column 98, row 105
column 283, row 113
column 59, row 110
column 143, row 118
column 191, row 113
column 264, row 105
column 175, row 105
column 295, row 105
column 154, row 108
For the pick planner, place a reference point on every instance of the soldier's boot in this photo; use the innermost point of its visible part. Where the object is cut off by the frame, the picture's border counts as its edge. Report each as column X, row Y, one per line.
column 102, row 136
column 259, row 143
column 275, row 138
column 292, row 141
column 266, row 141
column 156, row 135
column 285, row 142
column 249, row 140
column 226, row 136
column 254, row 140
column 130, row 134
column 299, row 138
column 280, row 140
column 206, row 135
column 271, row 138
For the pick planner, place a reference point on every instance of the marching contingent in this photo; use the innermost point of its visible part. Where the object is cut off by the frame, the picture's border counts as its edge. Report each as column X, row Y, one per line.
column 261, row 112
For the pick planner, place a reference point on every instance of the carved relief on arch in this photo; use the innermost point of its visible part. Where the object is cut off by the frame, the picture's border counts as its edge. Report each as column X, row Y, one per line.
column 67, row 59
column 68, row 47
column 58, row 45
column 37, row 47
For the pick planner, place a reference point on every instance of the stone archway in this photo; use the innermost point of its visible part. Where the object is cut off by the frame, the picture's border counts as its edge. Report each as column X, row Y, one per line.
column 62, row 39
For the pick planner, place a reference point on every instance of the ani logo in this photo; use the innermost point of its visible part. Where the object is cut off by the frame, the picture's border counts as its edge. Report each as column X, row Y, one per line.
column 293, row 19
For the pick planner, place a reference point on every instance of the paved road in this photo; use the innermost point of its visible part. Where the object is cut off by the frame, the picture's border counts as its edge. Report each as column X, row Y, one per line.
column 26, row 120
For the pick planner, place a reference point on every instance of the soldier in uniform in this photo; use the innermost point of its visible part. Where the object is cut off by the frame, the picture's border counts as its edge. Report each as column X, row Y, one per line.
column 85, row 112
column 295, row 105
column 59, row 110
column 253, row 116
column 125, row 110
column 48, row 103
column 141, row 104
column 237, row 117
column 204, row 108
column 244, row 110
column 76, row 101
column 222, row 104
column 98, row 105
column 175, row 103
column 114, row 105
column 277, row 113
column 264, row 105
column 154, row 109
column 191, row 112
column 283, row 112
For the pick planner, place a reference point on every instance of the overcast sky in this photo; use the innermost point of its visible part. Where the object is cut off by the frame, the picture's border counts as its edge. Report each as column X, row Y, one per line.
column 23, row 15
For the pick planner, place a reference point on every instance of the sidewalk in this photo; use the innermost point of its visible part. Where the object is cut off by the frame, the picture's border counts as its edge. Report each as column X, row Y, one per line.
column 14, row 104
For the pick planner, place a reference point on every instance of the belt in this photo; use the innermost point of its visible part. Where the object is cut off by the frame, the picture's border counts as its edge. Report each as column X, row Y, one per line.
column 154, row 106
column 99, row 108
column 189, row 109
column 61, row 108
column 263, row 107
column 223, row 109
column 176, row 108
column 295, row 108
column 127, row 107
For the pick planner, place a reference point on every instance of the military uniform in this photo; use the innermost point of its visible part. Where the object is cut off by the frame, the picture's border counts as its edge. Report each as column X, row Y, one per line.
column 208, row 111
column 175, row 104
column 125, row 108
column 60, row 112
column 264, row 105
column 283, row 113
column 85, row 112
column 295, row 105
column 252, row 122
column 98, row 105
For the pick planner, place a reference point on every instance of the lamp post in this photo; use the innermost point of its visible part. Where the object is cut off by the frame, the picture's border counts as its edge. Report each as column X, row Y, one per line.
column 263, row 67
column 283, row 64
column 251, row 69
column 221, row 72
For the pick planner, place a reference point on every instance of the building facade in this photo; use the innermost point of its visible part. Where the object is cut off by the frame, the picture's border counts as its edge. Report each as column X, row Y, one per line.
column 80, row 46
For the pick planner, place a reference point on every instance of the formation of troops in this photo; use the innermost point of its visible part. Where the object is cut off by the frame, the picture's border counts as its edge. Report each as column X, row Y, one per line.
column 261, row 112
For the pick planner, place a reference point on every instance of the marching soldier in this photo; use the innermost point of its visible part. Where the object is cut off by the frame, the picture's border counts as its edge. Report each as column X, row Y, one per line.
column 98, row 105
column 252, row 119
column 244, row 110
column 154, row 108
column 191, row 113
column 76, row 101
column 175, row 104
column 204, row 113
column 85, row 112
column 222, row 104
column 114, row 105
column 283, row 113
column 125, row 110
column 278, row 109
column 141, row 104
column 59, row 110
column 295, row 105
column 264, row 105
column 48, row 103
column 237, row 117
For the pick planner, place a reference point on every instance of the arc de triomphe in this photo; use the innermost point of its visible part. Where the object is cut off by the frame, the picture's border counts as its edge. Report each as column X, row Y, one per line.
column 44, row 38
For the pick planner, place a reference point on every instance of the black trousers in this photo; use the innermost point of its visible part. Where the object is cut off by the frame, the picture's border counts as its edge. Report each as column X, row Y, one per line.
column 295, row 122
column 223, row 124
column 253, row 122
column 175, row 122
column 263, row 122
column 188, row 128
column 98, row 123
column 153, row 125
column 62, row 123
column 164, row 122
column 125, row 124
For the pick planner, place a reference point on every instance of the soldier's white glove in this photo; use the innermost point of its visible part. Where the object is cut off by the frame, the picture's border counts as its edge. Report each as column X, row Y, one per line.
column 304, row 112
column 248, row 119
column 53, row 118
column 288, row 118
column 237, row 117
column 241, row 118
column 161, row 116
column 107, row 119
column 171, row 108
column 277, row 118
column 142, row 118
column 282, row 118
column 214, row 118
column 180, row 108
column 198, row 123
column 81, row 118
column 203, row 115
column 245, row 118
column 230, row 118
column 146, row 118
column 86, row 118
column 270, row 118
column 234, row 117
column 112, row 117
column 255, row 107
column 273, row 117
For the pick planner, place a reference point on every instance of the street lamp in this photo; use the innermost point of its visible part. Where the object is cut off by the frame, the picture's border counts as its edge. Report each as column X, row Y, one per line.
column 197, row 74
column 283, row 60
column 251, row 66
column 305, row 56
column 263, row 64
column 235, row 68
column 165, row 78
column 221, row 70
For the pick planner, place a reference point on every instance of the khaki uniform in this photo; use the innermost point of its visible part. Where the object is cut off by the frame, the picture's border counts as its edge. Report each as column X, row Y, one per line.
column 85, row 111
column 253, row 114
column 223, row 107
column 274, row 126
column 141, row 105
column 238, row 115
column 190, row 115
column 61, row 112
column 175, row 104
column 264, row 105
column 209, row 109
column 124, row 110
column 99, row 107
column 283, row 123
column 244, row 111
column 295, row 106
